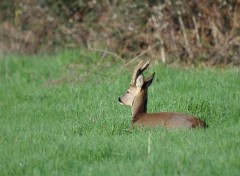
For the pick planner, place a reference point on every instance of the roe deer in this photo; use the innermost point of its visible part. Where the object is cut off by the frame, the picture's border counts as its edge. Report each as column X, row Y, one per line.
column 136, row 97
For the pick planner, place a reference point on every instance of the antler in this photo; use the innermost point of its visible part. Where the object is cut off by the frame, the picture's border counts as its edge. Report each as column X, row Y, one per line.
column 139, row 69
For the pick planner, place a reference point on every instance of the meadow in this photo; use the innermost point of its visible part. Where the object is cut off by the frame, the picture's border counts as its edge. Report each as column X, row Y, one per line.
column 59, row 115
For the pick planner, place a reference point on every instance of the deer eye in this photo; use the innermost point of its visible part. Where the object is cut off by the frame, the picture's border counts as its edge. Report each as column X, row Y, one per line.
column 127, row 91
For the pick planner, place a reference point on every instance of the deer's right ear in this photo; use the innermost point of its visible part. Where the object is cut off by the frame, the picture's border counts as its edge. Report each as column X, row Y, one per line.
column 149, row 80
column 139, row 81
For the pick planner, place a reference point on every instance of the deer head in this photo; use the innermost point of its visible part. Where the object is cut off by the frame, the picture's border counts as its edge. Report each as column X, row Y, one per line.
column 136, row 95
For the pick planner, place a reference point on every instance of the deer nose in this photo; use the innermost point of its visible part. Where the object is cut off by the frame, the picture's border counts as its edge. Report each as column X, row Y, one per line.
column 119, row 100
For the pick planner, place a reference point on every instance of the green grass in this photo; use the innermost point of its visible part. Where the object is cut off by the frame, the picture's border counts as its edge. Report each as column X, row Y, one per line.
column 59, row 115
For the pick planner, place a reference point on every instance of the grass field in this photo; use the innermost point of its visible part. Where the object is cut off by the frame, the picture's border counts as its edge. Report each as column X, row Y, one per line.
column 59, row 115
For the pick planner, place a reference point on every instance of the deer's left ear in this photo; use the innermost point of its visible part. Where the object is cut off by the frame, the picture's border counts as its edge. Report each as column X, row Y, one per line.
column 148, row 81
column 140, row 81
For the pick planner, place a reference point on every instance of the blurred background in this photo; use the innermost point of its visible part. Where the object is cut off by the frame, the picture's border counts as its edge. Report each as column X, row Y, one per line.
column 186, row 31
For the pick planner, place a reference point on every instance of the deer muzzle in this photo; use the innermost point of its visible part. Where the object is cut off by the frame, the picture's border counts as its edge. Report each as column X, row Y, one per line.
column 120, row 101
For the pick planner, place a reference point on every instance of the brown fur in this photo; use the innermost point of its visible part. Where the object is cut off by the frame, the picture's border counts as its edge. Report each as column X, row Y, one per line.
column 167, row 119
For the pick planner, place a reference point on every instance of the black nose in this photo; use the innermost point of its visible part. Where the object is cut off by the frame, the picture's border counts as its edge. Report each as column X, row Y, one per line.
column 119, row 100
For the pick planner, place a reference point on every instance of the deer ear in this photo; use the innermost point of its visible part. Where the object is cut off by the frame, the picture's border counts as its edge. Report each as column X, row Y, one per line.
column 148, row 81
column 139, row 81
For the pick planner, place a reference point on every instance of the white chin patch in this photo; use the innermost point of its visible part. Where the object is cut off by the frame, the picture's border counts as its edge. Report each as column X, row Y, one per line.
column 121, row 103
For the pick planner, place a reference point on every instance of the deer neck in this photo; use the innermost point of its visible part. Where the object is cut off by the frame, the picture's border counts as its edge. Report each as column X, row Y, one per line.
column 139, row 104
